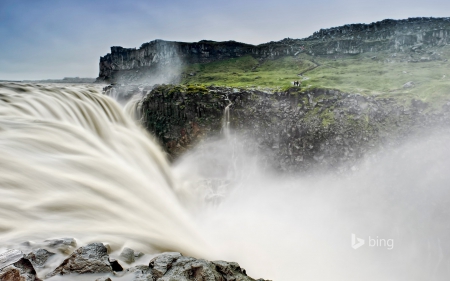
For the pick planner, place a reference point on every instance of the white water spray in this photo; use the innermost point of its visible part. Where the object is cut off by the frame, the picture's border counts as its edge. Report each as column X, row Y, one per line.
column 300, row 228
column 73, row 164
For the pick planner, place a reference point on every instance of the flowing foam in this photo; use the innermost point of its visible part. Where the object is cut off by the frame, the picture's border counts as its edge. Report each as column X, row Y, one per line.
column 300, row 228
column 73, row 164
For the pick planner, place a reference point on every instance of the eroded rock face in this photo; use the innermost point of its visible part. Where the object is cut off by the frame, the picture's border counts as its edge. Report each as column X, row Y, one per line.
column 174, row 266
column 293, row 131
column 162, row 263
column 39, row 257
column 14, row 267
column 127, row 255
column 157, row 59
column 92, row 258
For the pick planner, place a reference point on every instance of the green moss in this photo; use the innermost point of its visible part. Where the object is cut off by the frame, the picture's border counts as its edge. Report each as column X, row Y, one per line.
column 196, row 89
column 382, row 77
column 327, row 117
column 176, row 89
column 291, row 89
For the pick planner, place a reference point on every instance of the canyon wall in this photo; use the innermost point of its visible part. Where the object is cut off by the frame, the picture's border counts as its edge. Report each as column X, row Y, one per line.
column 293, row 131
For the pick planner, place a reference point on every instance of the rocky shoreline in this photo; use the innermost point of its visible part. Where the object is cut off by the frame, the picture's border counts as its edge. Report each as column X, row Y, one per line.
column 93, row 262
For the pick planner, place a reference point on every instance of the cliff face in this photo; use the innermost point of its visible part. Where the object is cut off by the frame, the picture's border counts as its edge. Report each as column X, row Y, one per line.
column 293, row 131
column 164, row 58
column 161, row 60
column 394, row 35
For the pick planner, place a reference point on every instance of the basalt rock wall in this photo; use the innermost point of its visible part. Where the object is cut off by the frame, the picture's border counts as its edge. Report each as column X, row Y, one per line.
column 294, row 131
column 162, row 59
column 164, row 56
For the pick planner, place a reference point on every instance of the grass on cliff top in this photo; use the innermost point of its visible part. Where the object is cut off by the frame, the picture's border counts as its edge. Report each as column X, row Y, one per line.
column 384, row 75
column 247, row 71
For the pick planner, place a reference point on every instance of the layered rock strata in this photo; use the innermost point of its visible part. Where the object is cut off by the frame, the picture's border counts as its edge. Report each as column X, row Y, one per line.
column 295, row 130
column 160, row 60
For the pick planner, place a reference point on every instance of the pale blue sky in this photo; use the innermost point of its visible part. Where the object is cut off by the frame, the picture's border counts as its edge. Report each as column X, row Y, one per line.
column 58, row 38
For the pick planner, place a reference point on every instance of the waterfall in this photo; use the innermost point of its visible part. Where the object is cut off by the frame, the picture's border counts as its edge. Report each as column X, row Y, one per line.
column 74, row 165
column 226, row 119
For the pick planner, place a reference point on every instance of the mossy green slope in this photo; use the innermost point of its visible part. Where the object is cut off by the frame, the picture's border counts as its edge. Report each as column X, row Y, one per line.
column 382, row 73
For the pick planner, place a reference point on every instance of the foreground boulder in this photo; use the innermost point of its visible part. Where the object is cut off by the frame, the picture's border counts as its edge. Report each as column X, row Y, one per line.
column 92, row 258
column 174, row 266
column 39, row 257
column 14, row 267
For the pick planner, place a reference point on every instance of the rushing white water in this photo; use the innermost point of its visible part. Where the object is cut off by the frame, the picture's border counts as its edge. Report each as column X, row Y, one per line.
column 73, row 164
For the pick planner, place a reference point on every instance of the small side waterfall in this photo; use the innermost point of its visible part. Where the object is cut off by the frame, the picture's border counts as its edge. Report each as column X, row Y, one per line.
column 226, row 119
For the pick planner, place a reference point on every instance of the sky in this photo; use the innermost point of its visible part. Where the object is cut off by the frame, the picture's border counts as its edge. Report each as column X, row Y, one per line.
column 41, row 39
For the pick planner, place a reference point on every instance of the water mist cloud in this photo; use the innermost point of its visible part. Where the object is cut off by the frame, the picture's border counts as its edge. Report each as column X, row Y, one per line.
column 300, row 228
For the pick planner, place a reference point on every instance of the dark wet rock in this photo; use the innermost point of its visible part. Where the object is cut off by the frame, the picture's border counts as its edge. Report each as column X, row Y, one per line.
column 229, row 270
column 140, row 273
column 138, row 255
column 162, row 263
column 127, row 255
column 14, row 267
column 10, row 273
column 291, row 131
column 174, row 266
column 418, row 104
column 92, row 258
column 39, row 257
column 115, row 265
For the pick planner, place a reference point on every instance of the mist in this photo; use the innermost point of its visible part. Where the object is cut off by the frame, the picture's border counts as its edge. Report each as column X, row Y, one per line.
column 299, row 228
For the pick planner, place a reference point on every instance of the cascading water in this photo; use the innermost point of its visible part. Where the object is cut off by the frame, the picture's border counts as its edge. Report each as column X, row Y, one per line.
column 226, row 119
column 74, row 165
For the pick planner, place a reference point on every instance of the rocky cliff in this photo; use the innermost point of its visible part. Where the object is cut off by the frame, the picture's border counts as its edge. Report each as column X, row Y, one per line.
column 293, row 130
column 160, row 60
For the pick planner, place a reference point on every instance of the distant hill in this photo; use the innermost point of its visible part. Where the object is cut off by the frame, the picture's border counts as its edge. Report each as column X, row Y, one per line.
column 64, row 80
column 402, row 57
